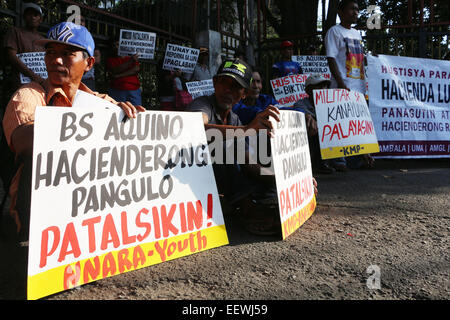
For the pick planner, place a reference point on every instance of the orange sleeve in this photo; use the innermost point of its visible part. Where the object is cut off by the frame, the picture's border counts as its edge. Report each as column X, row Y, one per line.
column 21, row 108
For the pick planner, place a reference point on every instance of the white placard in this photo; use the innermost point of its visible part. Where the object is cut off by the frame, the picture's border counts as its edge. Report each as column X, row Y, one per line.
column 313, row 64
column 200, row 88
column 344, row 123
column 410, row 106
column 35, row 62
column 180, row 58
column 132, row 41
column 117, row 195
column 288, row 90
column 293, row 173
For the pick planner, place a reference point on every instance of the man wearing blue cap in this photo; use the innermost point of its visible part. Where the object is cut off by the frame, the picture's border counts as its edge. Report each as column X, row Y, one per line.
column 69, row 50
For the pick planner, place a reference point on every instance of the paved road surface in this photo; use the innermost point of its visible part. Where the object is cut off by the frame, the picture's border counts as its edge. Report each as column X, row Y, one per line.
column 394, row 220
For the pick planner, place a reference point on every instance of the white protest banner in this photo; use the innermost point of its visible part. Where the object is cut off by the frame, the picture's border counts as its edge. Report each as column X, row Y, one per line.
column 344, row 124
column 293, row 173
column 132, row 41
column 112, row 196
column 410, row 106
column 313, row 65
column 288, row 90
column 200, row 88
column 180, row 58
column 35, row 62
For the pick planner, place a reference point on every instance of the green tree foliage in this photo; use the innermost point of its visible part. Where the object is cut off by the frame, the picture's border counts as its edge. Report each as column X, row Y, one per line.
column 407, row 29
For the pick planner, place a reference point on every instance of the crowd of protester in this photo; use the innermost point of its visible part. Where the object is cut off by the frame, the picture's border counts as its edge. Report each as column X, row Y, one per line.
column 238, row 103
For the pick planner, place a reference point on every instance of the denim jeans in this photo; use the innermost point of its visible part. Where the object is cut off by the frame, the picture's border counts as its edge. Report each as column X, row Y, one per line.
column 338, row 161
column 134, row 96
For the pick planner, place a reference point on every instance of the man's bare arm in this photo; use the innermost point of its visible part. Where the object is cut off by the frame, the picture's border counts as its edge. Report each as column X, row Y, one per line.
column 22, row 139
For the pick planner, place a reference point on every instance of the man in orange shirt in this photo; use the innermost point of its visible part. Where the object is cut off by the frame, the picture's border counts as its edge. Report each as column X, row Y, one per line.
column 69, row 52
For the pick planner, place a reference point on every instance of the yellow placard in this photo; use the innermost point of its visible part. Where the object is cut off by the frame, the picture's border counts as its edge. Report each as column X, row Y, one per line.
column 350, row 150
column 298, row 219
column 124, row 260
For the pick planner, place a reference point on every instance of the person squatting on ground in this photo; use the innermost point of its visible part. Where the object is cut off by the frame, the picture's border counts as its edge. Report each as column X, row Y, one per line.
column 243, row 186
column 254, row 101
column 66, row 59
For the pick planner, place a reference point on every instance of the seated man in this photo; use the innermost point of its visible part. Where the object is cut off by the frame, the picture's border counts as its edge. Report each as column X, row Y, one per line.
column 254, row 101
column 69, row 52
column 237, row 182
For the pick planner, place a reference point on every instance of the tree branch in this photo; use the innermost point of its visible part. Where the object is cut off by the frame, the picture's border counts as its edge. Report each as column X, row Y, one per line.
column 271, row 18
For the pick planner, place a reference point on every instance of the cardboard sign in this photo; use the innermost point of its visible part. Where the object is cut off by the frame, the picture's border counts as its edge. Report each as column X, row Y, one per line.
column 111, row 196
column 200, row 88
column 180, row 58
column 313, row 65
column 344, row 123
column 293, row 173
column 132, row 41
column 410, row 106
column 35, row 62
column 288, row 90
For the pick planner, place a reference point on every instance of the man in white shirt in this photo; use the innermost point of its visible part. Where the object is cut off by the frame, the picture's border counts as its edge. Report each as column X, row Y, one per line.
column 344, row 50
column 345, row 57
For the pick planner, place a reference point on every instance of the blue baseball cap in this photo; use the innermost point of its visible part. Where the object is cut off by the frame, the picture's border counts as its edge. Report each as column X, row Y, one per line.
column 71, row 34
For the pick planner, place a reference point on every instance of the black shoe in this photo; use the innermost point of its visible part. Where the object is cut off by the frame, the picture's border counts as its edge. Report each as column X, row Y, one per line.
column 324, row 168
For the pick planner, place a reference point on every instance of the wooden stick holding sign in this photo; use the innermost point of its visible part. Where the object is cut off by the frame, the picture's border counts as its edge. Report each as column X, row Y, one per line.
column 344, row 124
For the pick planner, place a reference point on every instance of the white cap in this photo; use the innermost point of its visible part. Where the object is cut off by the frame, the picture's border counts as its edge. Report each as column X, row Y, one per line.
column 27, row 5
